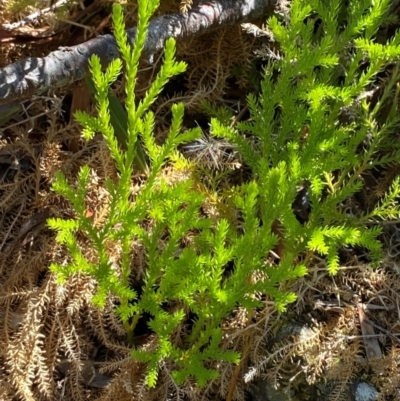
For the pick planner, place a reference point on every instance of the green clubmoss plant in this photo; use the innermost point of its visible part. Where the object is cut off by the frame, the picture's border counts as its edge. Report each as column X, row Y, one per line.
column 314, row 125
column 192, row 277
column 294, row 138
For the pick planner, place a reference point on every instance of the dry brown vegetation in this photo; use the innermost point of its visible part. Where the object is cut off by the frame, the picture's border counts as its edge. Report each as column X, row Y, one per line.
column 55, row 345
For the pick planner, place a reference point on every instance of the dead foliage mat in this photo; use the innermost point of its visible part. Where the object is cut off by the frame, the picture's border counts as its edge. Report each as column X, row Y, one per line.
column 55, row 345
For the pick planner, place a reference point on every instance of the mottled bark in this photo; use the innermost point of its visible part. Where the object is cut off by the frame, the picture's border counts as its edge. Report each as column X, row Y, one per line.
column 68, row 64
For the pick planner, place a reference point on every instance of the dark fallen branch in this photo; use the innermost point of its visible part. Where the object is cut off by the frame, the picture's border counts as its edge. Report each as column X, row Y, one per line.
column 62, row 67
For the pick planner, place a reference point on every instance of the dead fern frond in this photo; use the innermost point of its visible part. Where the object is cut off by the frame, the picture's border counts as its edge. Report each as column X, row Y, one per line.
column 185, row 6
